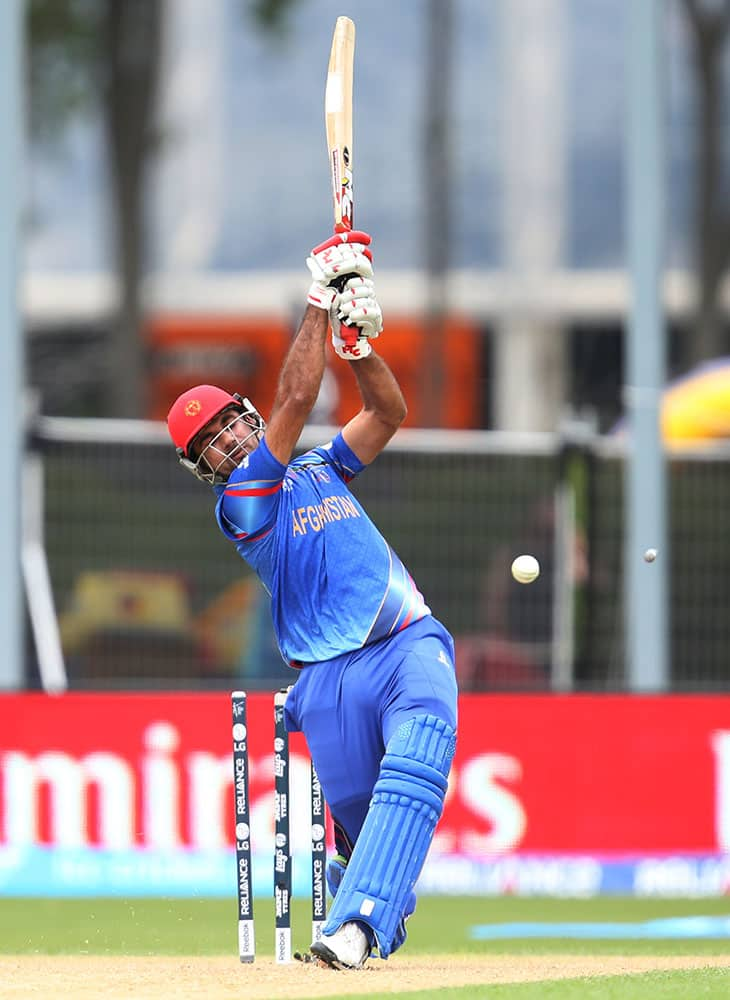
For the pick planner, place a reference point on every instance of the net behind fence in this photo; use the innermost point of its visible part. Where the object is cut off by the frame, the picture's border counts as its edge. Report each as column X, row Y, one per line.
column 149, row 594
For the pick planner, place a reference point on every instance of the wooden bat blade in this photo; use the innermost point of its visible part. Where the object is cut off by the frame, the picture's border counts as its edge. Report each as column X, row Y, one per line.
column 338, row 120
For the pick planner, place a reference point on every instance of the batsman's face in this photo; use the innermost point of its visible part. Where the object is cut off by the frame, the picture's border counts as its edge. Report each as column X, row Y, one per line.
column 224, row 442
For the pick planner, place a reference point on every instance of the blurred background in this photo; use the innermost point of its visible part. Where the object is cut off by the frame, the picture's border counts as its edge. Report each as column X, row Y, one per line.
column 174, row 177
column 547, row 183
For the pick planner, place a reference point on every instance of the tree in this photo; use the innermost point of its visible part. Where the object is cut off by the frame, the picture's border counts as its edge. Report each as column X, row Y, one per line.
column 104, row 55
column 131, row 41
column 710, row 28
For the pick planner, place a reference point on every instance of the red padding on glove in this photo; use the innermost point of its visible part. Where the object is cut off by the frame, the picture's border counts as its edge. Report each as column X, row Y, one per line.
column 354, row 236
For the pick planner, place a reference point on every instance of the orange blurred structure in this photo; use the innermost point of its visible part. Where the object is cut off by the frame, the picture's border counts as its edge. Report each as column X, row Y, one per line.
column 241, row 354
column 244, row 354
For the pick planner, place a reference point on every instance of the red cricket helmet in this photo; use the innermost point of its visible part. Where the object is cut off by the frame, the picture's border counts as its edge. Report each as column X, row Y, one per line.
column 192, row 410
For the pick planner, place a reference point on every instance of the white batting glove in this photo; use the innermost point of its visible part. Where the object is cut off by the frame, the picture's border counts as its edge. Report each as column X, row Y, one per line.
column 321, row 296
column 340, row 255
column 350, row 350
column 357, row 306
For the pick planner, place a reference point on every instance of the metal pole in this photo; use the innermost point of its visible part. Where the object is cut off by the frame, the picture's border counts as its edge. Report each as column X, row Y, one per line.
column 437, row 209
column 11, row 369
column 37, row 578
column 529, row 347
column 646, row 584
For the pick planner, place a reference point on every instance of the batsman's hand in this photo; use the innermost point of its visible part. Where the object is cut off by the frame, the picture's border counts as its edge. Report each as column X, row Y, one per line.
column 351, row 350
column 342, row 255
column 357, row 306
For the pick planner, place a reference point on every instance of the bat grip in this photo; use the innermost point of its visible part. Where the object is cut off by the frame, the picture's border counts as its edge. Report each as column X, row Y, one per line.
column 348, row 331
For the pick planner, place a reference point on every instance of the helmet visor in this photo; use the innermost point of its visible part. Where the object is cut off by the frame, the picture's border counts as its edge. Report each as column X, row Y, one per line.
column 214, row 458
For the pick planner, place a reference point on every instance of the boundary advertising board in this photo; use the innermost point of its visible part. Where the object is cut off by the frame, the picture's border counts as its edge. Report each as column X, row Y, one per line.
column 131, row 794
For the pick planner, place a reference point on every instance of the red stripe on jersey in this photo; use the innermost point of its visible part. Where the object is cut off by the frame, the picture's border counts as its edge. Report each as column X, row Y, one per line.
column 252, row 538
column 413, row 607
column 255, row 492
column 407, row 621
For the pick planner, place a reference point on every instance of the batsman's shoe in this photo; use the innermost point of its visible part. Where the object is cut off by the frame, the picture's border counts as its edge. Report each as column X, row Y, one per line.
column 347, row 948
column 335, row 872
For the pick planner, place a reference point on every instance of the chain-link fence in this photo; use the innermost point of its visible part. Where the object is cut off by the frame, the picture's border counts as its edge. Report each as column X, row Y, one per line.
column 148, row 593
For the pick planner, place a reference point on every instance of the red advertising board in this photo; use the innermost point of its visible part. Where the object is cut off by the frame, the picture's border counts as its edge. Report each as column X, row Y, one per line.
column 532, row 774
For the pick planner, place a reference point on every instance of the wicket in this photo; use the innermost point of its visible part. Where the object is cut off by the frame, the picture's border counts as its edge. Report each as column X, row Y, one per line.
column 282, row 837
column 246, row 942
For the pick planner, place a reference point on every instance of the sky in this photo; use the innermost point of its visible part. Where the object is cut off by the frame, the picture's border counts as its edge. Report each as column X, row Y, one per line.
column 242, row 181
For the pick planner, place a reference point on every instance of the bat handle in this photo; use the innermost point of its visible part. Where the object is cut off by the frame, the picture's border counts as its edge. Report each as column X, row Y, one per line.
column 348, row 331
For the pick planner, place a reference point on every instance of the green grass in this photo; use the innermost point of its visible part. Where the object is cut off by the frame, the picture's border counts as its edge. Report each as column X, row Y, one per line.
column 701, row 984
column 440, row 925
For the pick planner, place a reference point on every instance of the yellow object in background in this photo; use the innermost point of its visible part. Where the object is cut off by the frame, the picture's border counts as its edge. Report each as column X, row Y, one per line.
column 125, row 599
column 697, row 406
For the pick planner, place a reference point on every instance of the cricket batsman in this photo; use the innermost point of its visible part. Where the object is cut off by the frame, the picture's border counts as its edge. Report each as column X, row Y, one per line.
column 375, row 692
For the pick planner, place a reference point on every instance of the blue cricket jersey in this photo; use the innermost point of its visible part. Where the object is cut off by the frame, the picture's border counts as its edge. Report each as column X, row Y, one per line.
column 335, row 583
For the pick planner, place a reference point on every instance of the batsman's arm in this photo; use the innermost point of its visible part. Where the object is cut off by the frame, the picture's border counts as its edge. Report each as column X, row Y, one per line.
column 299, row 382
column 383, row 410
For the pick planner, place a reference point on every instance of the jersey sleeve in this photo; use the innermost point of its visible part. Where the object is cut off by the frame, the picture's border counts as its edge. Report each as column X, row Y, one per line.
column 247, row 504
column 338, row 454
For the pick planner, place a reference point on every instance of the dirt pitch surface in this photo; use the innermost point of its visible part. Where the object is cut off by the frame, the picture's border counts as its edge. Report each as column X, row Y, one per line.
column 158, row 978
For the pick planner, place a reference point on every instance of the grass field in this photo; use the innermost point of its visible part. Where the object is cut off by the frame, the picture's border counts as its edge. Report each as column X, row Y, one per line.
column 147, row 937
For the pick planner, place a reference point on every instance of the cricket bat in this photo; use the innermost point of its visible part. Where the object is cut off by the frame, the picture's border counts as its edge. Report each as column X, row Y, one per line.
column 338, row 120
column 338, row 125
